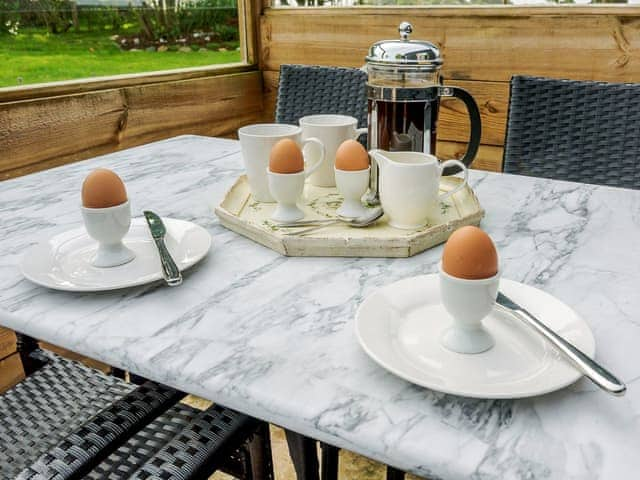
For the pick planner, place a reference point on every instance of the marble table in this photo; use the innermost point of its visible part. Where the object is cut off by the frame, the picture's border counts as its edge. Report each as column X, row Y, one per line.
column 273, row 336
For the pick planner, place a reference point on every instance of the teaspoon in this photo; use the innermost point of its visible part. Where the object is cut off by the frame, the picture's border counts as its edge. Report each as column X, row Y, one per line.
column 359, row 222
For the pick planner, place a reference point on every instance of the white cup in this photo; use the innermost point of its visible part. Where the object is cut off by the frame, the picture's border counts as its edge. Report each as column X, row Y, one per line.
column 108, row 226
column 256, row 142
column 468, row 302
column 332, row 130
column 352, row 185
column 287, row 189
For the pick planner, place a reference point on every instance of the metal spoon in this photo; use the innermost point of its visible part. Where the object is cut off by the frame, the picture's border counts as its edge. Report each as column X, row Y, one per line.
column 359, row 222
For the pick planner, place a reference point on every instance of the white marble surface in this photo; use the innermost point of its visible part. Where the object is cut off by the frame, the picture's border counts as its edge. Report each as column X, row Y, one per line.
column 273, row 336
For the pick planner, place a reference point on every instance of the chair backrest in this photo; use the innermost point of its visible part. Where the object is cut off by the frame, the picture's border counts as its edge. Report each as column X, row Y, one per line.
column 311, row 90
column 574, row 130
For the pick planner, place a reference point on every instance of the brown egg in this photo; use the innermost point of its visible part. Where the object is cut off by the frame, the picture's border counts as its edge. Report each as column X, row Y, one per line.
column 286, row 157
column 470, row 253
column 102, row 189
column 351, row 156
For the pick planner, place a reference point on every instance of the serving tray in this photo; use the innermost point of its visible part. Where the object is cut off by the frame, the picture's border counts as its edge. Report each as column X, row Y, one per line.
column 242, row 214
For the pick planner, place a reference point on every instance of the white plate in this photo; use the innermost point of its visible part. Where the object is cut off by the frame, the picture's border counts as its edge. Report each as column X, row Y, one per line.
column 399, row 326
column 64, row 261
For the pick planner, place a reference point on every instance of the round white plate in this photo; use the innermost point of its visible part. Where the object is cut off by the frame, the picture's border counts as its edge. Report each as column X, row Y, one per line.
column 399, row 326
column 64, row 261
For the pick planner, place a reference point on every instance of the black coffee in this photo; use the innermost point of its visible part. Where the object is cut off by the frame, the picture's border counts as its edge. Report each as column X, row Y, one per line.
column 403, row 126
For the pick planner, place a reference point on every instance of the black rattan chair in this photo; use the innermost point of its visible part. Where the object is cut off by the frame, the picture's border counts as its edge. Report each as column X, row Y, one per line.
column 574, row 130
column 311, row 90
column 68, row 421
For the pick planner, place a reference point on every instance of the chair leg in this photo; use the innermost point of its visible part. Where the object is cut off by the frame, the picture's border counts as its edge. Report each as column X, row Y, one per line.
column 25, row 346
column 127, row 376
column 136, row 379
column 260, row 454
column 304, row 455
column 394, row 473
column 330, row 455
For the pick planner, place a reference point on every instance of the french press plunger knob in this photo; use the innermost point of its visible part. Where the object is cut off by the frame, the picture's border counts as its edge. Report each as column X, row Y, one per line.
column 405, row 30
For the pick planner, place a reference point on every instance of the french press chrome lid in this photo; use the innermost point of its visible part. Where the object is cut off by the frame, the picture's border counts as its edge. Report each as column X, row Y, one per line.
column 404, row 54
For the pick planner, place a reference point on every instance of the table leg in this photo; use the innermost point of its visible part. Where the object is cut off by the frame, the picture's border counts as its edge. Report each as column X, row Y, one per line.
column 329, row 470
column 394, row 474
column 304, row 455
column 260, row 454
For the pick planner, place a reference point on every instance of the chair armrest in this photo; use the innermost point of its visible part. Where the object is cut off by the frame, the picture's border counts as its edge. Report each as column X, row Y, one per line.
column 85, row 448
column 201, row 447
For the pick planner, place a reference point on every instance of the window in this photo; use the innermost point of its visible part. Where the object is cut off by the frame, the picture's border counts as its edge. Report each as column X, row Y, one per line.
column 55, row 40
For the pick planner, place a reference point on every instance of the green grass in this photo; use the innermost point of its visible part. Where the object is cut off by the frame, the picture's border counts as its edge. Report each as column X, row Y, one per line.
column 35, row 56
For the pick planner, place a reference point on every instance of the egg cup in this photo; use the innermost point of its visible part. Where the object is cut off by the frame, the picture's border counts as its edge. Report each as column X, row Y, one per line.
column 287, row 189
column 108, row 226
column 468, row 302
column 352, row 185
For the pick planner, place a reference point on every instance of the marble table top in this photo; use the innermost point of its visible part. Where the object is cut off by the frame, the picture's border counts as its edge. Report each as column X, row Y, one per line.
column 273, row 336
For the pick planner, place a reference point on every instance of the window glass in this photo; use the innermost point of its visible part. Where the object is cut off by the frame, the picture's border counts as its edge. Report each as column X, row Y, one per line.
column 53, row 40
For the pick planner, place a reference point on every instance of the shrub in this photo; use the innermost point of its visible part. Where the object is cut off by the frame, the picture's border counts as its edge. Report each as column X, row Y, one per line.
column 173, row 19
column 226, row 33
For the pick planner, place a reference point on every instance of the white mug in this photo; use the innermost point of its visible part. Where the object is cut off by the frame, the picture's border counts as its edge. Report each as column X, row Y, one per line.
column 256, row 142
column 287, row 189
column 409, row 185
column 332, row 130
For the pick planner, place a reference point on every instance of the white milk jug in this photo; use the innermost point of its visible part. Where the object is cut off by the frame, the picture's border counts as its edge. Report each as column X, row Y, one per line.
column 409, row 186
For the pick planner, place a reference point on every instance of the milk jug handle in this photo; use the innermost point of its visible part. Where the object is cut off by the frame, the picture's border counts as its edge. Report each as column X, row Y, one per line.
column 459, row 166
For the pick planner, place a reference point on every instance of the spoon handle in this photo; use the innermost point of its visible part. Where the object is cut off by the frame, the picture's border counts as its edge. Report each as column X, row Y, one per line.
column 312, row 229
column 305, row 223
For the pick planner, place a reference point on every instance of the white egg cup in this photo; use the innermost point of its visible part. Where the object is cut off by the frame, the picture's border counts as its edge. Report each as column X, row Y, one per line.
column 352, row 185
column 468, row 302
column 287, row 189
column 108, row 226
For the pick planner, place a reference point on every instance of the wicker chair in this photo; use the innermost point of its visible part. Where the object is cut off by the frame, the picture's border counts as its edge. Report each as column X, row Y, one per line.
column 68, row 421
column 311, row 90
column 574, row 130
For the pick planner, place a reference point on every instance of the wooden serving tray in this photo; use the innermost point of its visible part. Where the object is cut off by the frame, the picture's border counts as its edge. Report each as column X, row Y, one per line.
column 242, row 214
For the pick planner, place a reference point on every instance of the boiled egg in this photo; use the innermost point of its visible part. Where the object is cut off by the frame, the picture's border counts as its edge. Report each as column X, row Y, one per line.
column 102, row 189
column 470, row 254
column 286, row 157
column 351, row 155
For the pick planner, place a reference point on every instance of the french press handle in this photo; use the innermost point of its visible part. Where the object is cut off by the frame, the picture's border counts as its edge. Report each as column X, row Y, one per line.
column 476, row 126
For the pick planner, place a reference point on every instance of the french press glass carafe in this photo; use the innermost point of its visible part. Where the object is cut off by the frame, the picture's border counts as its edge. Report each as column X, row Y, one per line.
column 404, row 88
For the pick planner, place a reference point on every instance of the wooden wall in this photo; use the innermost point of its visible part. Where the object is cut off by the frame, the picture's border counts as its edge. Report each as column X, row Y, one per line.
column 60, row 128
column 11, row 371
column 482, row 47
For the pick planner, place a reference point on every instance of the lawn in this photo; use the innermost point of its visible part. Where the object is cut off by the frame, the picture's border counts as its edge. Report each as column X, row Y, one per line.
column 35, row 56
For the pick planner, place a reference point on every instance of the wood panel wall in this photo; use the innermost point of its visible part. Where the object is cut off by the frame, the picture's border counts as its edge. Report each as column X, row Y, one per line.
column 482, row 48
column 49, row 131
column 11, row 371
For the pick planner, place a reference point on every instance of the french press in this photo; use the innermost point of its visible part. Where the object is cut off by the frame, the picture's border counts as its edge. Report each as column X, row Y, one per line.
column 404, row 88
